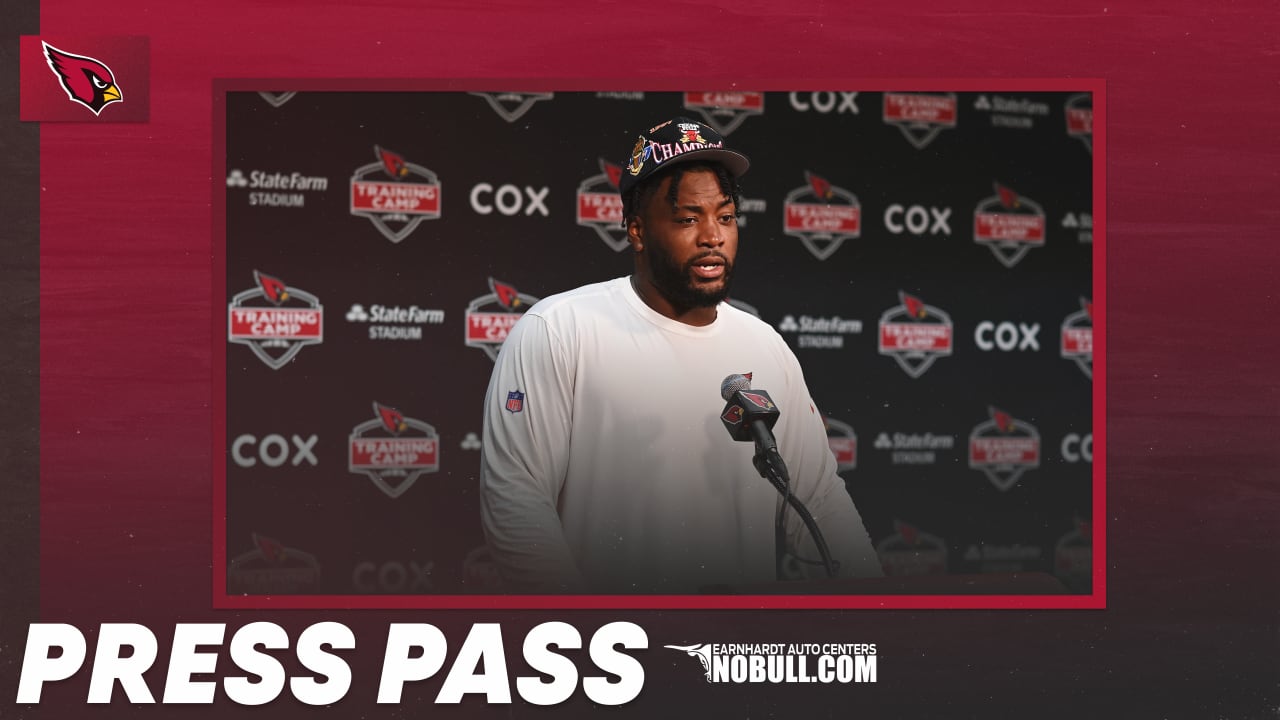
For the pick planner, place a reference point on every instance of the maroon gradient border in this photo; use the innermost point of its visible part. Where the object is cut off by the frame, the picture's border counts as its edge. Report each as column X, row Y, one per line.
column 221, row 600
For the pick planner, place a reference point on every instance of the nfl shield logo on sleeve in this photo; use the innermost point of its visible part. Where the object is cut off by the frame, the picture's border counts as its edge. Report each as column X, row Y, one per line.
column 515, row 401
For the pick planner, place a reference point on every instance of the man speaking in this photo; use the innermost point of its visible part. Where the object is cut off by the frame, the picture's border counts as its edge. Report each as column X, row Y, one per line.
column 606, row 465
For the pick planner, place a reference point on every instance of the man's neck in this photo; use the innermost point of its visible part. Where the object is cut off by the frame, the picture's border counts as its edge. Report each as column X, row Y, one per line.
column 695, row 316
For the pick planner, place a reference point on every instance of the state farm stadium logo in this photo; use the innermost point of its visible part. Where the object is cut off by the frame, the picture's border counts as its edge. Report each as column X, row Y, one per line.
column 394, row 322
column 1073, row 553
column 776, row 663
column 396, row 195
column 920, row 116
column 600, row 206
column 276, row 99
column 915, row 335
column 843, row 442
column 822, row 215
column 910, row 551
column 393, row 450
column 270, row 568
column 1004, row 448
column 913, row 448
column 725, row 111
column 820, row 333
column 1077, row 338
column 1079, row 112
column 511, row 106
column 287, row 189
column 491, row 317
column 276, row 321
column 1009, row 224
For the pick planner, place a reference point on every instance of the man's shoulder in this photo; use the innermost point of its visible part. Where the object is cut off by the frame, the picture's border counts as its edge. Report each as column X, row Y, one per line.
column 570, row 304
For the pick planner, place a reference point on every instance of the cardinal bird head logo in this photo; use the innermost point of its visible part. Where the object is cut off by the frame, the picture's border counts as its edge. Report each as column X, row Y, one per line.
column 86, row 80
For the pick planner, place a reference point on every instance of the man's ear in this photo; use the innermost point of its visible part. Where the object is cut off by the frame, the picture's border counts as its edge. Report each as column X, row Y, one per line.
column 635, row 233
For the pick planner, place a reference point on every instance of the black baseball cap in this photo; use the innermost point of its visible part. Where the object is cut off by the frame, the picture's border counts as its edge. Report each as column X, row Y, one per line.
column 676, row 141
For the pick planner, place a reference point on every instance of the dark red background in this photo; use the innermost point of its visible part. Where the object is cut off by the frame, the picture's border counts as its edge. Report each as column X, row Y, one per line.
column 124, row 367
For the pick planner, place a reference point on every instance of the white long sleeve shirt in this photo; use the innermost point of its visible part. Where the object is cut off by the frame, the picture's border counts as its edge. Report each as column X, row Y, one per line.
column 610, row 470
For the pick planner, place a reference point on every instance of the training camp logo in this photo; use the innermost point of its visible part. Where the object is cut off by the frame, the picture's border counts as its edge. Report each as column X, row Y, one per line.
column 920, row 116
column 1003, row 448
column 843, row 442
column 276, row 321
column 511, row 106
column 392, row 450
column 86, row 81
column 775, row 663
column 276, row 99
column 600, row 206
column 915, row 334
column 1079, row 111
column 909, row 551
column 1009, row 224
column 1077, row 338
column 398, row 206
column 822, row 215
column 270, row 568
column 725, row 111
column 491, row 317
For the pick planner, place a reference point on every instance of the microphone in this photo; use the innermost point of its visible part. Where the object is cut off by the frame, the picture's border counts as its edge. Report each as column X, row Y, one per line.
column 750, row 414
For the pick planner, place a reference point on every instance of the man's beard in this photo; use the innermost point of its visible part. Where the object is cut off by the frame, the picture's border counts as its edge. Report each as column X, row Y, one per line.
column 677, row 283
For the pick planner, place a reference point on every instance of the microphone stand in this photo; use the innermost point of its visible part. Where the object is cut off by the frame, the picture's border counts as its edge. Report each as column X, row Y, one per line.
column 769, row 464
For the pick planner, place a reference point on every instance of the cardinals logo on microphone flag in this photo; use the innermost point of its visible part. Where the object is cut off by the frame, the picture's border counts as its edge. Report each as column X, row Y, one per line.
column 68, row 78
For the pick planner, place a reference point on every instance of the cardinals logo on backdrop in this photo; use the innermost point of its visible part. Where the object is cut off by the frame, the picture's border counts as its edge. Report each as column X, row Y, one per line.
column 1009, row 224
column 600, row 206
column 920, row 116
column 1004, row 448
column 843, row 442
column 490, row 317
column 822, row 215
column 910, row 551
column 725, row 111
column 86, row 80
column 393, row 450
column 1079, row 112
column 1077, row 337
column 276, row 321
column 511, row 106
column 276, row 99
column 270, row 568
column 396, row 195
column 915, row 334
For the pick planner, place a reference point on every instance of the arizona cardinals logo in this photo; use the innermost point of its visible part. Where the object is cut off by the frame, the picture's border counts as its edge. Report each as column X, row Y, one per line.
column 86, row 80
column 392, row 419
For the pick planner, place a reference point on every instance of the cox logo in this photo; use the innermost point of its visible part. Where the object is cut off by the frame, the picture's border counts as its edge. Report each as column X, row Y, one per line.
column 273, row 450
column 917, row 220
column 1076, row 448
column 509, row 199
column 825, row 102
column 1007, row 336
column 392, row 577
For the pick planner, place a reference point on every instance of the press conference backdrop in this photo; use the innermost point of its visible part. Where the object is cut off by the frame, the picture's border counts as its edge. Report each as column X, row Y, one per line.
column 928, row 257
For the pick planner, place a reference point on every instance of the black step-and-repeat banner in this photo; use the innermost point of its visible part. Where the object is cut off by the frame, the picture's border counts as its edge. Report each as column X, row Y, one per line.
column 928, row 256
